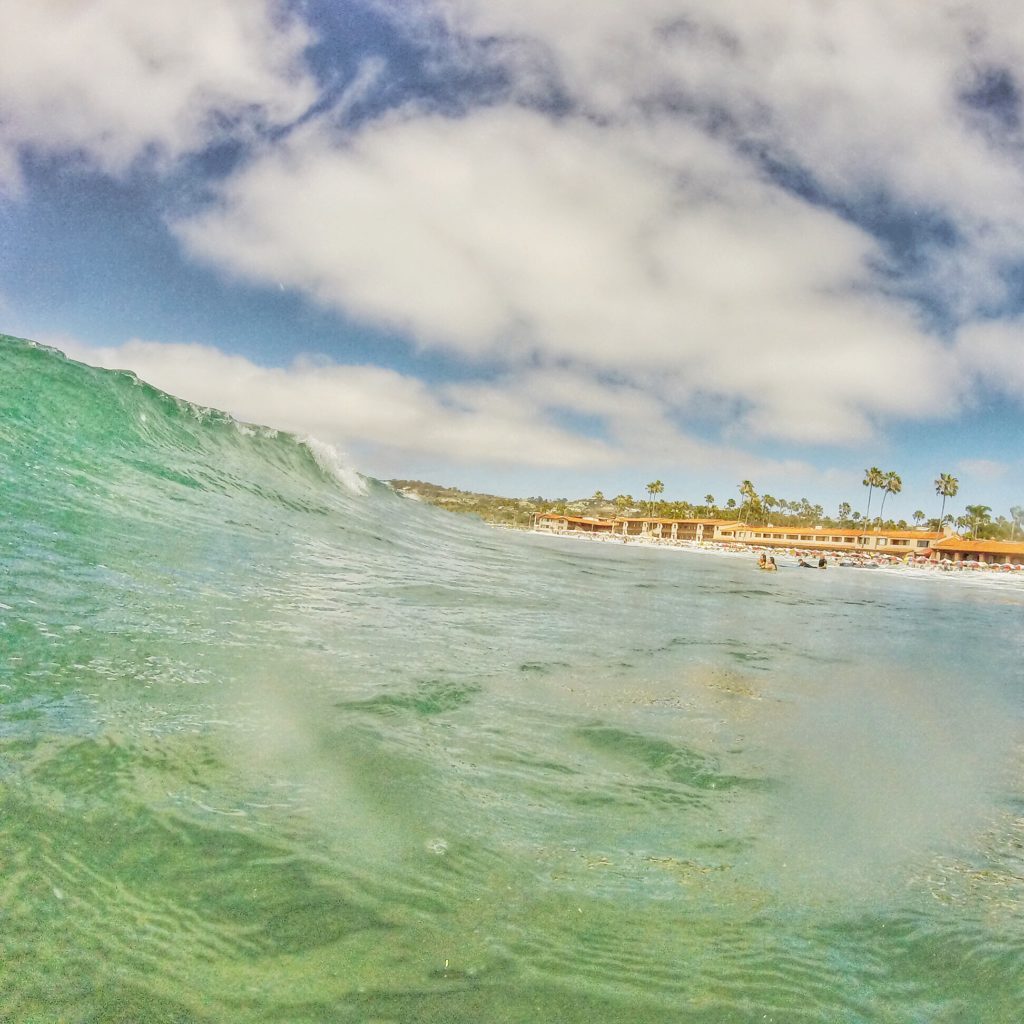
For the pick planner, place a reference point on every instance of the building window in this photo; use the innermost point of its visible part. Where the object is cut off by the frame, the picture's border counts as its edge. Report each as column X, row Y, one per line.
column 922, row 543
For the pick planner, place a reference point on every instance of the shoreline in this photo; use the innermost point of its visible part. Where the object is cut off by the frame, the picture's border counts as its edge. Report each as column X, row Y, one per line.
column 884, row 565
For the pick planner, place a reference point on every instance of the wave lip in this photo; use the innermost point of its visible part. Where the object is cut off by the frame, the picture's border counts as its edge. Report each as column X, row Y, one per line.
column 333, row 463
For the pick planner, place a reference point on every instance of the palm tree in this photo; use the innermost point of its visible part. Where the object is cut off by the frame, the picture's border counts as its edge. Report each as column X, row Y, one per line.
column 749, row 495
column 978, row 516
column 873, row 478
column 891, row 484
column 918, row 517
column 731, row 504
column 653, row 488
column 709, row 500
column 947, row 486
column 844, row 513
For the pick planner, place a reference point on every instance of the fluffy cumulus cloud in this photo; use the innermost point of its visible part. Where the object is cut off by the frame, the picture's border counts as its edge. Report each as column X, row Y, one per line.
column 111, row 80
column 652, row 251
column 920, row 106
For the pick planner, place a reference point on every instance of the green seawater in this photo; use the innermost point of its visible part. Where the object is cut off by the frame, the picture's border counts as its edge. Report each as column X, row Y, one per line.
column 277, row 744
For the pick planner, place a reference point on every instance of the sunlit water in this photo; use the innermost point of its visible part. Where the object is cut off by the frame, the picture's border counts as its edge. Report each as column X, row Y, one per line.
column 278, row 745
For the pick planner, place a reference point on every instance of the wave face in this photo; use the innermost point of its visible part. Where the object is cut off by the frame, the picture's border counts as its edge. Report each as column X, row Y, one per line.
column 278, row 744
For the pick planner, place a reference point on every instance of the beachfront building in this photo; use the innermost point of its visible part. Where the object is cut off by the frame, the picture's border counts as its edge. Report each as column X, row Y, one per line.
column 898, row 543
column 553, row 522
column 668, row 529
column 987, row 552
column 641, row 527
column 895, row 544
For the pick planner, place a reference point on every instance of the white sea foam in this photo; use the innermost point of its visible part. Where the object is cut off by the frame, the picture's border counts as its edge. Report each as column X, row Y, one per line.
column 333, row 463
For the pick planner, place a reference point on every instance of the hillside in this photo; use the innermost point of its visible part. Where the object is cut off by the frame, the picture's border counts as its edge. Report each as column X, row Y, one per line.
column 493, row 508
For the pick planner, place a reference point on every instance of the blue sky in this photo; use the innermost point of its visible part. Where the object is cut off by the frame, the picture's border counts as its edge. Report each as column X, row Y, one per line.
column 536, row 248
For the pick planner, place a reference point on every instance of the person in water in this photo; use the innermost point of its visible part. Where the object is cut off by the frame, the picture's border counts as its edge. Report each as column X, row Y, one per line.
column 770, row 566
column 822, row 564
column 761, row 560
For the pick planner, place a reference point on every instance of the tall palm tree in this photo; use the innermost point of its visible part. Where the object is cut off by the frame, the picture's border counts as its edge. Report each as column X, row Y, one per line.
column 653, row 488
column 844, row 513
column 947, row 486
column 749, row 495
column 709, row 500
column 873, row 478
column 891, row 484
column 918, row 517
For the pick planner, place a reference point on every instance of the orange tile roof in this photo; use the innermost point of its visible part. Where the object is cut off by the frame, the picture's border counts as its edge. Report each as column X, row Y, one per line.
column 575, row 519
column 992, row 547
column 658, row 519
column 826, row 531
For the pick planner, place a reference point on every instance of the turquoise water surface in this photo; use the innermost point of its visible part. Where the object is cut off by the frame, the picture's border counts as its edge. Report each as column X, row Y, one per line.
column 277, row 744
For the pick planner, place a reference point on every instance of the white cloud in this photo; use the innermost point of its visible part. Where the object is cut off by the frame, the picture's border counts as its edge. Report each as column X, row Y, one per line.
column 365, row 407
column 993, row 352
column 648, row 250
column 635, row 240
column 983, row 469
column 868, row 98
column 112, row 80
column 391, row 421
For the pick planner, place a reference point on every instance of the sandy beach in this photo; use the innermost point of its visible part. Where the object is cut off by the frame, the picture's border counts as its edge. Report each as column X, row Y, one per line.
column 790, row 558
